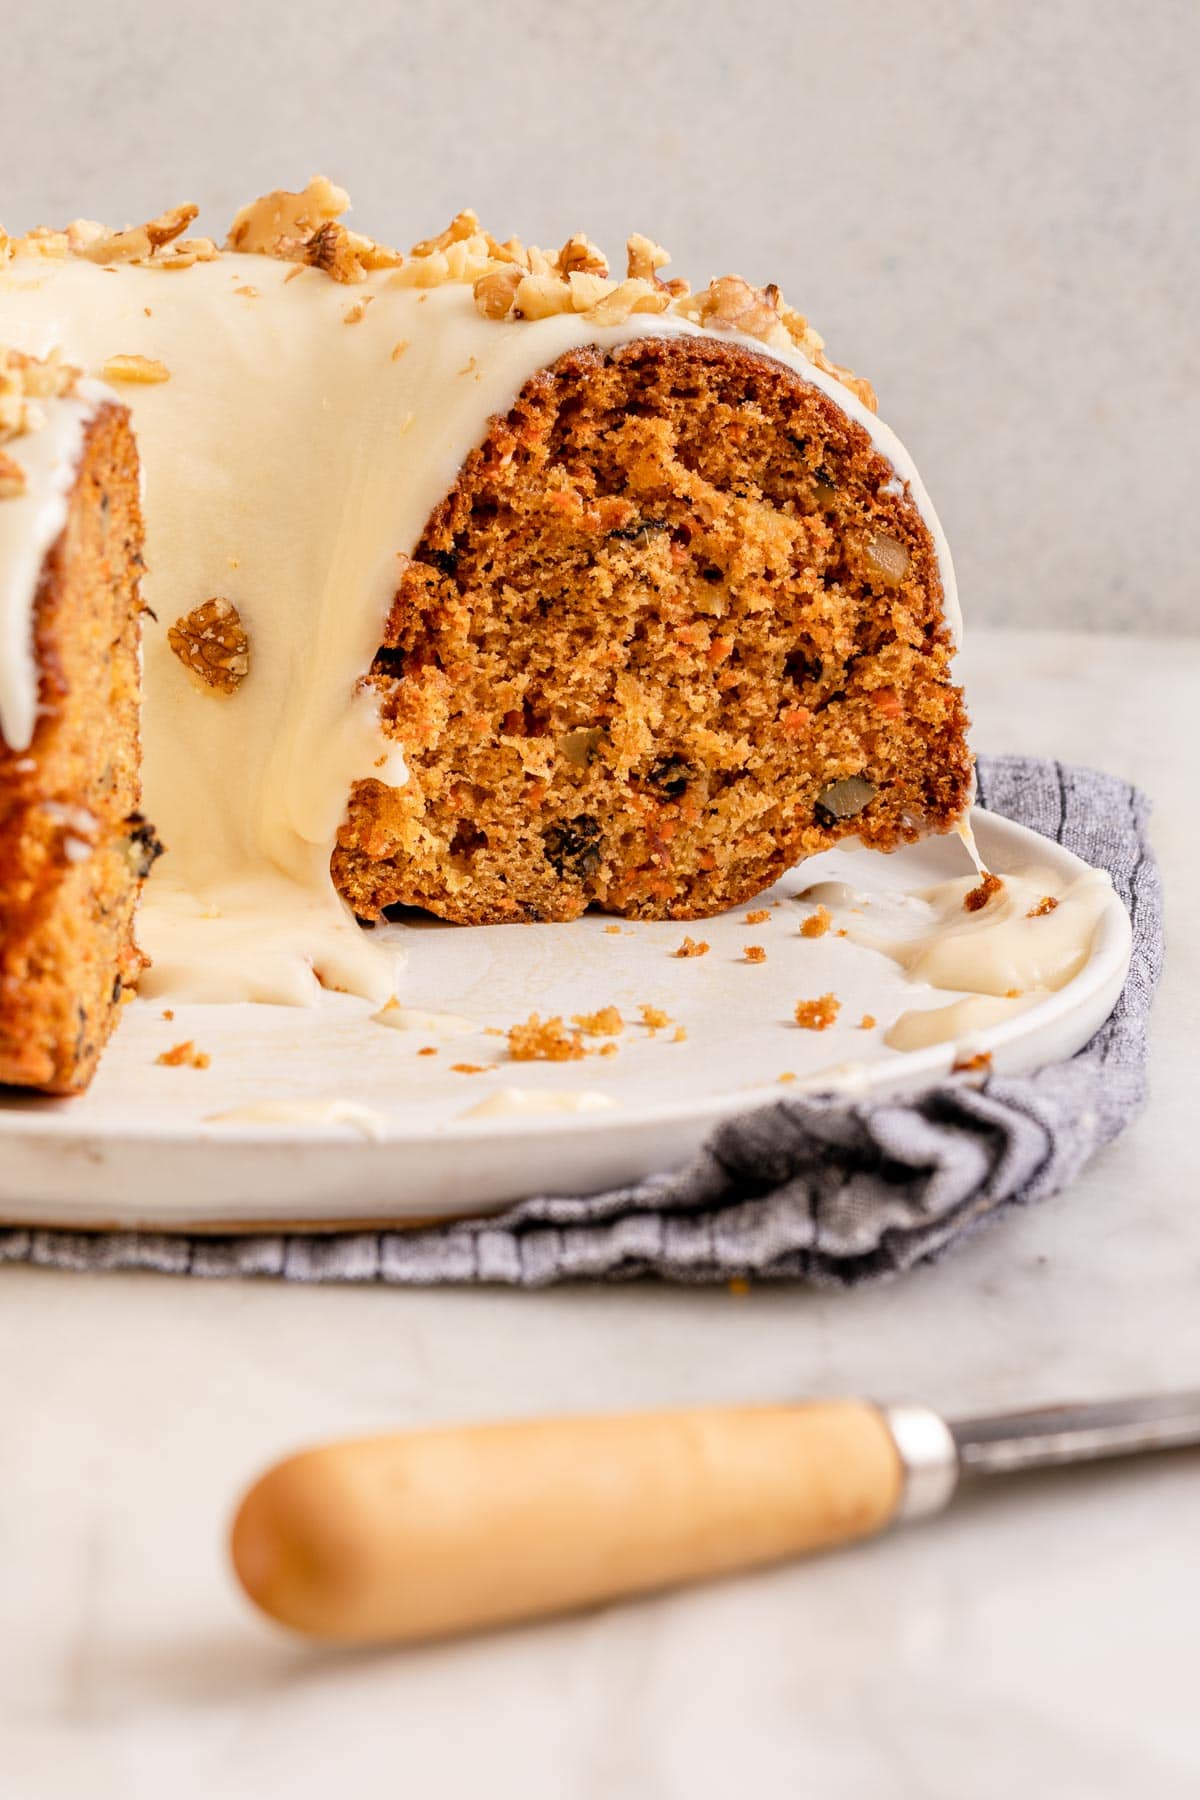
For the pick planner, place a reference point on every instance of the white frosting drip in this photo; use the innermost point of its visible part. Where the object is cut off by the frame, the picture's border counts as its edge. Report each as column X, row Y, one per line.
column 286, row 1113
column 29, row 526
column 514, row 1102
column 287, row 462
column 920, row 1030
column 431, row 1024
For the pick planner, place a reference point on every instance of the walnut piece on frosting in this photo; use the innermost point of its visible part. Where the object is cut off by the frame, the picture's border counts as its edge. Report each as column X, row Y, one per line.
column 211, row 641
column 136, row 244
column 509, row 279
column 143, row 369
column 305, row 228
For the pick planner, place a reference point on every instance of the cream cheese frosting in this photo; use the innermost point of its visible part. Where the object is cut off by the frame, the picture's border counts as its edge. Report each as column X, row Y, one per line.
column 298, row 435
column 30, row 523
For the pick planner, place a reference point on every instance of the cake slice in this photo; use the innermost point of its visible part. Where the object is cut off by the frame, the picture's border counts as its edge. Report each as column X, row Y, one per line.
column 677, row 626
column 74, row 849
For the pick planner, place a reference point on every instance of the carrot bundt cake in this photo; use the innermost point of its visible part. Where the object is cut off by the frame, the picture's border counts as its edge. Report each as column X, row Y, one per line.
column 479, row 580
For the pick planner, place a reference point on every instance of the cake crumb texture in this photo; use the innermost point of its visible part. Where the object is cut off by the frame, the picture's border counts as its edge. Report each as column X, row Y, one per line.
column 675, row 628
column 817, row 1015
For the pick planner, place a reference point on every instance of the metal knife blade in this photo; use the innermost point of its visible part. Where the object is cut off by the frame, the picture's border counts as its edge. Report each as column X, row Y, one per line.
column 937, row 1453
column 1007, row 1443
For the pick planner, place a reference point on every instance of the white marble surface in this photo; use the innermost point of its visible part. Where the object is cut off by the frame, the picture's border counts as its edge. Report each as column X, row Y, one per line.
column 1044, row 1641
column 988, row 209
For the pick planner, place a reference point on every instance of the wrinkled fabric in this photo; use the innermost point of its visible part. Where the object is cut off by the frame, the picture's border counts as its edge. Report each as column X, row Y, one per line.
column 824, row 1190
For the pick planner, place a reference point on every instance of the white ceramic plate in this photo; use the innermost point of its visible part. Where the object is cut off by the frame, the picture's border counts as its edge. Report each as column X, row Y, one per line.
column 142, row 1147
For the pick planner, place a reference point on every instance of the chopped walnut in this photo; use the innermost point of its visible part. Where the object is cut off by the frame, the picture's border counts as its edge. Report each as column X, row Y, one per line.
column 817, row 1015
column 540, row 296
column 691, row 947
column 281, row 216
column 184, row 253
column 304, row 228
column 184, row 1056
column 330, row 250
column 579, row 256
column 354, row 315
column 731, row 304
column 143, row 369
column 211, row 641
column 631, row 296
column 496, row 294
column 544, row 1041
column 462, row 226
column 645, row 258
column 137, row 243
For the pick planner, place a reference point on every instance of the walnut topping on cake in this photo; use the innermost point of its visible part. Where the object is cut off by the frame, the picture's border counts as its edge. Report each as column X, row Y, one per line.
column 135, row 244
column 144, row 369
column 211, row 641
column 510, row 280
column 306, row 228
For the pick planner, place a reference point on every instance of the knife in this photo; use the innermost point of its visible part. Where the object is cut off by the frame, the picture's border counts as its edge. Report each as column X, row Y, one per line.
column 427, row 1534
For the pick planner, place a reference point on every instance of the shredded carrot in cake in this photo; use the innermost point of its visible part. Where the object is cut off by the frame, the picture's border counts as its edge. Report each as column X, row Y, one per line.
column 817, row 924
column 817, row 1015
column 548, row 1040
column 979, row 896
column 184, row 1056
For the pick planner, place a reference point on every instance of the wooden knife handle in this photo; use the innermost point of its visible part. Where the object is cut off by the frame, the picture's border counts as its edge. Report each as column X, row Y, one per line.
column 429, row 1533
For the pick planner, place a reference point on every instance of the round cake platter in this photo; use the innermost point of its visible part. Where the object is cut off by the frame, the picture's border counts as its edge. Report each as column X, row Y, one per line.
column 339, row 1120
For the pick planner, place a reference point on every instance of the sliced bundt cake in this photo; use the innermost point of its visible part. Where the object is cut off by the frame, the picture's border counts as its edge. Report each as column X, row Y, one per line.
column 74, row 849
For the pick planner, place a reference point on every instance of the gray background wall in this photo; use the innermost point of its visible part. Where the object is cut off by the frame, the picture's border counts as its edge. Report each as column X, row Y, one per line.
column 990, row 208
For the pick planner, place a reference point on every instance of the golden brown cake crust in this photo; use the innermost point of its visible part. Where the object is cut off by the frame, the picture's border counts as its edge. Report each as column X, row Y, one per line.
column 73, row 847
column 672, row 630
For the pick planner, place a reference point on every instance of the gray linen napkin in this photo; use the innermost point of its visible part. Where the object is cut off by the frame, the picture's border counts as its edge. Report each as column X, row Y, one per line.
column 826, row 1190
